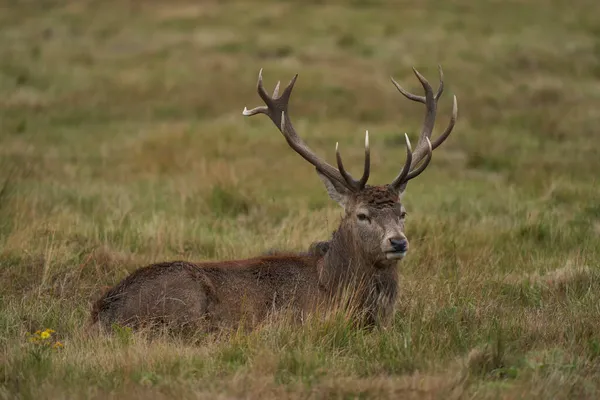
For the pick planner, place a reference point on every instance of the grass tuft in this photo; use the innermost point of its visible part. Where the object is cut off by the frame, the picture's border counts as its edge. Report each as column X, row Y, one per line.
column 122, row 143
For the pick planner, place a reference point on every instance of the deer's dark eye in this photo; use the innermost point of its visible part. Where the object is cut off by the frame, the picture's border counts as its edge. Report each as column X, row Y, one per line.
column 403, row 215
column 363, row 217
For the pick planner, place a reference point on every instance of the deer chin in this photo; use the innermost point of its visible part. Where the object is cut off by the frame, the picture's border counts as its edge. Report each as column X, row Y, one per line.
column 395, row 255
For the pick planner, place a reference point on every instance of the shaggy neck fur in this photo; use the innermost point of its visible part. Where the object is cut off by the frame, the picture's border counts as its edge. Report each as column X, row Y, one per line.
column 348, row 273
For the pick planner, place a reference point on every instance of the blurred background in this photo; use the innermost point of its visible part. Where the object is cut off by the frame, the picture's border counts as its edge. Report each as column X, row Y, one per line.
column 122, row 142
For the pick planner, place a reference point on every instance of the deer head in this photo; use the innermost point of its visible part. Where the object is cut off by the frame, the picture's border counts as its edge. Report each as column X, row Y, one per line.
column 374, row 215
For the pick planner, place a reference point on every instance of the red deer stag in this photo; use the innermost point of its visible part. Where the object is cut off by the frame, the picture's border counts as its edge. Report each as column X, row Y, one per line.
column 360, row 257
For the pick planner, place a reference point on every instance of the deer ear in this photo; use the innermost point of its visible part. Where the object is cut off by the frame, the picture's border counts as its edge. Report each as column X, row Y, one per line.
column 336, row 192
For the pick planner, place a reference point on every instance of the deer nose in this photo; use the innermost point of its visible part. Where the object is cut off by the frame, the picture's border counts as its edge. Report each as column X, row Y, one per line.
column 399, row 245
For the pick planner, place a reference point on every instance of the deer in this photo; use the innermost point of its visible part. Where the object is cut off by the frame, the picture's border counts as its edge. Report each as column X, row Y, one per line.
column 360, row 258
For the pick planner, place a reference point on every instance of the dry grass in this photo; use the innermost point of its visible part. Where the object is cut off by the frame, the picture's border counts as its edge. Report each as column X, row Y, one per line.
column 122, row 143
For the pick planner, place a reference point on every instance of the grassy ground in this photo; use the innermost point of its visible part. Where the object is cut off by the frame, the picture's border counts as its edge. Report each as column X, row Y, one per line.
column 122, row 143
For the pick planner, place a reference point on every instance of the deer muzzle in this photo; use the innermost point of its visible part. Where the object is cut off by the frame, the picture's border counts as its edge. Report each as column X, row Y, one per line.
column 397, row 248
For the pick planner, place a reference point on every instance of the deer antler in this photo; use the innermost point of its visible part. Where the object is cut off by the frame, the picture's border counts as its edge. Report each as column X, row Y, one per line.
column 424, row 148
column 276, row 108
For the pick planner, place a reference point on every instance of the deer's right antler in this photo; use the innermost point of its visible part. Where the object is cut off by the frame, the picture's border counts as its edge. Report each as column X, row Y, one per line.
column 276, row 108
column 424, row 148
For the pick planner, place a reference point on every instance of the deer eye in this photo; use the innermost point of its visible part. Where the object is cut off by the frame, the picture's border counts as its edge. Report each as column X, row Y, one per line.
column 363, row 217
column 403, row 215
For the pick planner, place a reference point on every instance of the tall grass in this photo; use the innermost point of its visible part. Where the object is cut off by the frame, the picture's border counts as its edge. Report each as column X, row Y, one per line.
column 122, row 143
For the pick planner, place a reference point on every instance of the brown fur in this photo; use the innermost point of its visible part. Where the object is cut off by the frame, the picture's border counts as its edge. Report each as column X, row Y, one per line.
column 209, row 295
column 317, row 249
column 213, row 295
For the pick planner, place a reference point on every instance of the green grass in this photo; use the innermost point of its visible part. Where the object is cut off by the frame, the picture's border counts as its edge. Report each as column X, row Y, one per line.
column 122, row 143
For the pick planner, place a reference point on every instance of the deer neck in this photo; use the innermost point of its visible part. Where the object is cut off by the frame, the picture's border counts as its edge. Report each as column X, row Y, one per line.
column 346, row 263
column 371, row 285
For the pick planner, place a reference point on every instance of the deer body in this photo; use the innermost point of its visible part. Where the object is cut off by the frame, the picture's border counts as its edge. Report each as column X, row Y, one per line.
column 357, row 267
column 208, row 296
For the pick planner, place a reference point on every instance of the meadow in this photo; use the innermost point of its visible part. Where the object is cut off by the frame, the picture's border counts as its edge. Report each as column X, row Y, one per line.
column 122, row 143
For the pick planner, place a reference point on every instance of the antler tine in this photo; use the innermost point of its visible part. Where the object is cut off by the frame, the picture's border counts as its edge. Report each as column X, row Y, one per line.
column 441, row 87
column 450, row 126
column 356, row 184
column 347, row 177
column 401, row 178
column 276, row 108
column 367, row 167
column 263, row 95
column 421, row 99
column 415, row 172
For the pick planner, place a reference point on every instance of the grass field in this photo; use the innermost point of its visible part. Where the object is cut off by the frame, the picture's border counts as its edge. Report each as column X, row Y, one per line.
column 122, row 143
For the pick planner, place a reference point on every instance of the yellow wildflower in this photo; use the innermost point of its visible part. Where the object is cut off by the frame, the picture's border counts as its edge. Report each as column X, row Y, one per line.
column 45, row 335
column 57, row 345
